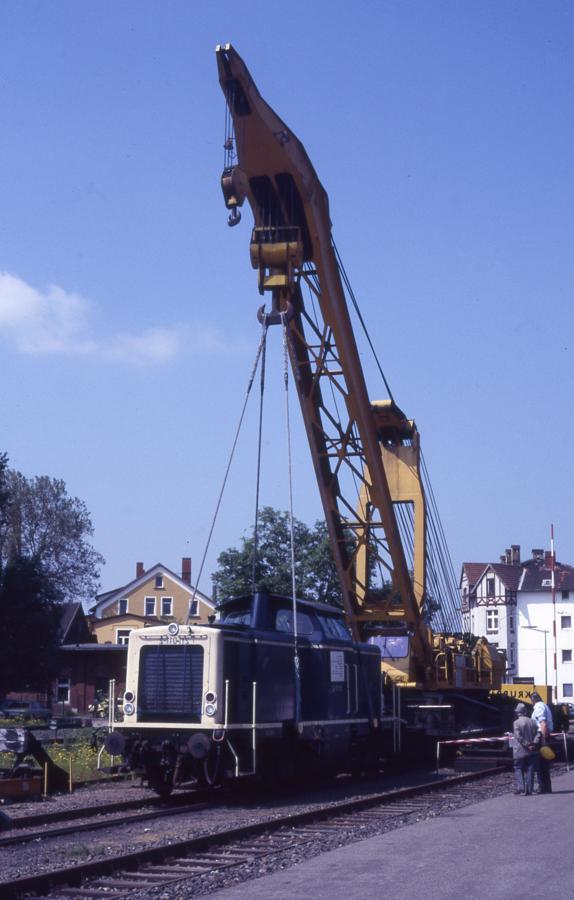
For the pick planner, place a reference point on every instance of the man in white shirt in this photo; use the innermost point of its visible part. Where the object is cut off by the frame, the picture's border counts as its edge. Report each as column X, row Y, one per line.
column 541, row 711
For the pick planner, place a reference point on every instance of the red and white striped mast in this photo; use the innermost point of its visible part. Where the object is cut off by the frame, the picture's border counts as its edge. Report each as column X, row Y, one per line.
column 553, row 583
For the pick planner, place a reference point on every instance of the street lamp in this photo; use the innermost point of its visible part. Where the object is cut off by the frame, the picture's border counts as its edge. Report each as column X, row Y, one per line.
column 543, row 631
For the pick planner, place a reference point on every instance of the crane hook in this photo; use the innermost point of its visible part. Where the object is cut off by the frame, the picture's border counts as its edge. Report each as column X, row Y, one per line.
column 234, row 217
column 275, row 316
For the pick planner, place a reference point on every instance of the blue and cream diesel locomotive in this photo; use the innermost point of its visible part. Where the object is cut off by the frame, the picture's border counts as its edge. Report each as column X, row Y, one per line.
column 249, row 694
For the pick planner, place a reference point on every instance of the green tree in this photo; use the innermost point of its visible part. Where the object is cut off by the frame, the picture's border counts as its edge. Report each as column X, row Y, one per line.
column 315, row 572
column 4, row 504
column 40, row 522
column 29, row 622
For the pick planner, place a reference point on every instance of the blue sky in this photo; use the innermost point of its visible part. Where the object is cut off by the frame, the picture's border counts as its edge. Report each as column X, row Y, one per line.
column 442, row 132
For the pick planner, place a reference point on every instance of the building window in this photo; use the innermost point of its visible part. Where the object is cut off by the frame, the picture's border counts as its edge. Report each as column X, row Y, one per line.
column 567, row 690
column 159, row 581
column 565, row 621
column 63, row 690
column 490, row 587
column 566, row 656
column 122, row 636
column 193, row 608
column 149, row 606
column 565, row 595
column 511, row 624
column 167, row 606
column 123, row 606
column 491, row 621
column 512, row 655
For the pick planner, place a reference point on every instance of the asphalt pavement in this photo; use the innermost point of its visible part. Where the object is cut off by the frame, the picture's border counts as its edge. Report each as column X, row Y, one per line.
column 508, row 847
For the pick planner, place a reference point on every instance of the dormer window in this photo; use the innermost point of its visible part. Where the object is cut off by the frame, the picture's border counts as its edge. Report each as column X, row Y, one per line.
column 122, row 606
column 159, row 581
column 490, row 587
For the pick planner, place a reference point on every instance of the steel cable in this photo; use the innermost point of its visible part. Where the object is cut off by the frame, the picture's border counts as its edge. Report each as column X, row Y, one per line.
column 230, row 460
column 296, row 662
column 259, row 443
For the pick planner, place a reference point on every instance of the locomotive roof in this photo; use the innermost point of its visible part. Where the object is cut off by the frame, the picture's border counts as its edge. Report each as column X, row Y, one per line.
column 246, row 600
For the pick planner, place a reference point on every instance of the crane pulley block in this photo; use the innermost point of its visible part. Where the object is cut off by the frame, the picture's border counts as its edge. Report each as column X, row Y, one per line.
column 233, row 187
column 276, row 252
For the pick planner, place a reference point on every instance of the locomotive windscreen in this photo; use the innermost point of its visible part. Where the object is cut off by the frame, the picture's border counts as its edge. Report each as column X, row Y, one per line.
column 170, row 683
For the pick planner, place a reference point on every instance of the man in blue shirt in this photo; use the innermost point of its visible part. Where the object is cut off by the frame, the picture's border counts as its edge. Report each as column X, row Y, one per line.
column 542, row 715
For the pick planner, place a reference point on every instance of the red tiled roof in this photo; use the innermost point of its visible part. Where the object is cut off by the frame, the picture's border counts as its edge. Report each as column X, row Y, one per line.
column 509, row 575
column 473, row 572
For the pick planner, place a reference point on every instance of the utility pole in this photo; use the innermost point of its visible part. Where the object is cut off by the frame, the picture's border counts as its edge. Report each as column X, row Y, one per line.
column 544, row 631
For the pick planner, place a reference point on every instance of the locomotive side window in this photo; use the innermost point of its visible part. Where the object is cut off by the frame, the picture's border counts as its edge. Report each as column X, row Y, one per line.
column 334, row 628
column 239, row 617
column 284, row 622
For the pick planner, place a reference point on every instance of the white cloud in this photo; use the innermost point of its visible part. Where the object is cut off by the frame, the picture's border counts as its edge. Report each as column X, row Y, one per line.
column 157, row 345
column 52, row 322
column 56, row 321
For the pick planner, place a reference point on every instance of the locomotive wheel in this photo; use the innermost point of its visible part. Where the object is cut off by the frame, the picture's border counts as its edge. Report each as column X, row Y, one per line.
column 211, row 770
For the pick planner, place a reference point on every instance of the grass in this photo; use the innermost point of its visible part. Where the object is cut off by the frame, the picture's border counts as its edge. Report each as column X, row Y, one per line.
column 77, row 748
column 16, row 722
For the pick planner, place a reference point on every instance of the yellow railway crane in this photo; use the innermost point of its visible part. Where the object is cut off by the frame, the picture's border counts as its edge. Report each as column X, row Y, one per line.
column 370, row 446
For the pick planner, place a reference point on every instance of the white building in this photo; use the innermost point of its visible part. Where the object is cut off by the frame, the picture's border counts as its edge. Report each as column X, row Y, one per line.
column 513, row 604
column 545, row 626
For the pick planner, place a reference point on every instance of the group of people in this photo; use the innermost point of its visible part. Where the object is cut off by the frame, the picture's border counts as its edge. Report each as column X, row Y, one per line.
column 531, row 753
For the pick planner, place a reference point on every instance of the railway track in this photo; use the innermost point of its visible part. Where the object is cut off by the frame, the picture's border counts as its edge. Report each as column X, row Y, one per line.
column 200, row 861
column 99, row 818
column 87, row 812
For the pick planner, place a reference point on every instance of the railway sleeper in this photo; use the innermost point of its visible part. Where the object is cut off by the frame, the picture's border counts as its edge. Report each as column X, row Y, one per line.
column 120, row 884
column 180, row 871
column 88, row 892
column 133, row 879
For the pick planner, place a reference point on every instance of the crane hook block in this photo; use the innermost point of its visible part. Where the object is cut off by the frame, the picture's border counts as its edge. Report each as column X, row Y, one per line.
column 232, row 187
column 276, row 316
column 277, row 253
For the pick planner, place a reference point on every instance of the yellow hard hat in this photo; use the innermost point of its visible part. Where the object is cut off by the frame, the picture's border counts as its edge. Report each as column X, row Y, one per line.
column 547, row 753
